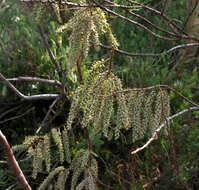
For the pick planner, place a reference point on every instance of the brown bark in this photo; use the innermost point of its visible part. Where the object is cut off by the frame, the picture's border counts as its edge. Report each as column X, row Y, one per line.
column 13, row 163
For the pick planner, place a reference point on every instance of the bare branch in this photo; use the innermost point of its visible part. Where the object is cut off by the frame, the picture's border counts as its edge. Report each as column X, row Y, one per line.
column 166, row 18
column 135, row 23
column 47, row 114
column 151, row 54
column 28, row 98
column 77, row 5
column 147, row 21
column 36, row 79
column 13, row 163
column 154, row 136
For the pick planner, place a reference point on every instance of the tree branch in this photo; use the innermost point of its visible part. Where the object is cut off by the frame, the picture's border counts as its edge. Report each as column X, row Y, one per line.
column 135, row 23
column 47, row 114
column 154, row 136
column 13, row 163
column 36, row 79
column 150, row 54
column 28, row 98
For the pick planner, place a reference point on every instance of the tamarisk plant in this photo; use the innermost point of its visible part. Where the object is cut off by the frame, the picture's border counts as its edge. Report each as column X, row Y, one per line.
column 100, row 103
column 101, row 100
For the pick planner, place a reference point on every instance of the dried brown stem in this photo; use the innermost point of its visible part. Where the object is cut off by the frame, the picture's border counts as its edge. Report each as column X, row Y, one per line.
column 13, row 162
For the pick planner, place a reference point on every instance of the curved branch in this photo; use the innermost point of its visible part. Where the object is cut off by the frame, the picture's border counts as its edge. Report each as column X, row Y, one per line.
column 154, row 136
column 146, row 20
column 36, row 79
column 29, row 98
column 13, row 163
column 151, row 54
column 135, row 23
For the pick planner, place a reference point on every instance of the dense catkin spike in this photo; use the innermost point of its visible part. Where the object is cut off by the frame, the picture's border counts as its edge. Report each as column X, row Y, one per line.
column 79, row 163
column 37, row 160
column 75, row 176
column 51, row 175
column 148, row 111
column 90, row 101
column 80, row 159
column 131, row 107
column 157, row 112
column 108, row 109
column 76, row 159
column 94, row 168
column 91, row 183
column 104, row 27
column 30, row 140
column 86, row 25
column 58, row 141
column 137, row 128
column 46, row 151
column 81, row 185
column 99, row 102
column 111, row 38
column 122, row 110
column 65, row 140
column 61, row 179
column 73, row 109
column 165, row 107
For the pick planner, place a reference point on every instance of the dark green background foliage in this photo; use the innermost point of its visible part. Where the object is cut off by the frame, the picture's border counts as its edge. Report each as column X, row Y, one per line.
column 22, row 53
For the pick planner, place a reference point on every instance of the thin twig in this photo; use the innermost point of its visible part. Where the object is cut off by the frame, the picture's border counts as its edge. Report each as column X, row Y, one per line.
column 9, row 188
column 154, row 136
column 47, row 114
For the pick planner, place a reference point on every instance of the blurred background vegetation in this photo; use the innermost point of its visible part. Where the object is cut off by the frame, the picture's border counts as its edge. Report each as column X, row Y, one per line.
column 22, row 53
